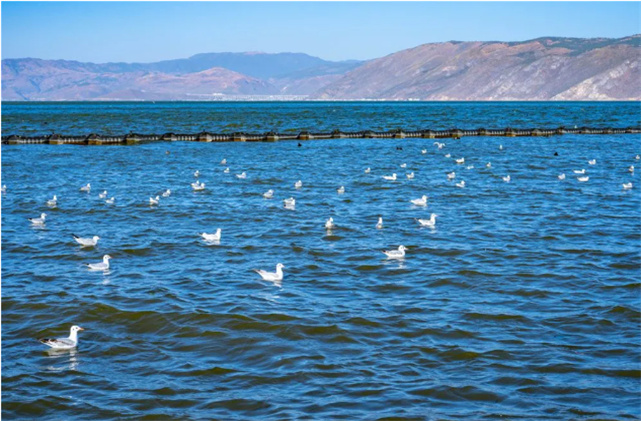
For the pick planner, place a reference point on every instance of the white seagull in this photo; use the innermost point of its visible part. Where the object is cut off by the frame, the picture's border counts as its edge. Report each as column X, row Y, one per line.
column 223, row 162
column 423, row 151
column 197, row 174
column 154, row 201
column 449, row 155
column 226, row 171
column 627, row 186
column 64, row 343
column 86, row 188
column 500, row 147
column 167, row 193
column 242, row 175
column 275, row 277
column 420, row 202
column 396, row 254
column 428, row 222
column 379, row 225
column 460, row 161
column 52, row 203
column 637, row 157
column 290, row 203
column 451, row 175
column 340, row 190
column 330, row 223
column 197, row 186
column 579, row 171
column 403, row 165
column 368, row 170
column 38, row 221
column 583, row 179
column 212, row 237
column 488, row 165
column 461, row 184
column 390, row 177
column 439, row 145
column 87, row 241
column 104, row 265
column 507, row 178
column 470, row 167
column 298, row 184
column 631, row 169
column 4, row 188
column 110, row 201
column 562, row 177
column 592, row 162
column 268, row 194
column 102, row 195
column 410, row 176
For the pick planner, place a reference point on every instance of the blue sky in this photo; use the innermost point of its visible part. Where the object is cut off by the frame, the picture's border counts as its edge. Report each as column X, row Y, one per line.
column 152, row 31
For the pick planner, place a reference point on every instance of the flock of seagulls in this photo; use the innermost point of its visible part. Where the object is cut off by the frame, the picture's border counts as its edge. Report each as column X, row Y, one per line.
column 289, row 203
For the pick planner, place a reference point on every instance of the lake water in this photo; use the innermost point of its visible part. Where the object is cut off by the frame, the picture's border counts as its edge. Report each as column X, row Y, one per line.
column 523, row 302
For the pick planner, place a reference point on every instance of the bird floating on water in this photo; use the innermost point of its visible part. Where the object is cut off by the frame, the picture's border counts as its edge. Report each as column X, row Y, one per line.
column 627, row 186
column 4, row 188
column 396, row 254
column 110, row 201
column 592, row 162
column 390, row 177
column 403, row 165
column 197, row 186
column 379, row 225
column 431, row 223
column 562, row 177
column 86, row 241
column 368, row 170
column 507, row 178
column 631, row 169
column 448, row 155
column 470, row 167
column 329, row 224
column 461, row 184
column 226, row 170
column 341, row 190
column 38, row 221
column 242, row 175
column 223, row 162
column 102, row 195
column 637, row 157
column 460, row 161
column 439, row 145
column 52, row 203
column 298, row 184
column 582, row 171
column 104, row 265
column 488, row 165
column 290, row 203
column 583, row 179
column 86, row 188
column 167, row 193
column 275, row 277
column 268, row 194
column 500, row 147
column 451, row 175
column 423, row 151
column 212, row 237
column 64, row 343
column 197, row 174
column 420, row 202
column 154, row 201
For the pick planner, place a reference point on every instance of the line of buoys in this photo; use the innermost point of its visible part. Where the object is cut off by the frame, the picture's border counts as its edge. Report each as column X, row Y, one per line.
column 132, row 138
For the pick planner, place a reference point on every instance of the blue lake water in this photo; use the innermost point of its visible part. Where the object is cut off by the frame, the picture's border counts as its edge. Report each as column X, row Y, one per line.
column 523, row 302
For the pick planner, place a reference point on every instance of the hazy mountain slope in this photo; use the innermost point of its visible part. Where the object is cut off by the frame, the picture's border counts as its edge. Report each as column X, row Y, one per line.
column 541, row 69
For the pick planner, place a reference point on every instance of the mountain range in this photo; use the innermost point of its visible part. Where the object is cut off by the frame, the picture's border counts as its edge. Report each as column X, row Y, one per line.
column 546, row 68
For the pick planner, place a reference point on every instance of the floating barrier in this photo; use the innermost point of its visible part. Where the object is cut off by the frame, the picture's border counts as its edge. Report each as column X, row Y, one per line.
column 133, row 138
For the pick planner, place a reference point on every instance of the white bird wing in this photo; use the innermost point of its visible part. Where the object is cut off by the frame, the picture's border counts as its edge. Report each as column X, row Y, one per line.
column 61, row 343
column 98, row 266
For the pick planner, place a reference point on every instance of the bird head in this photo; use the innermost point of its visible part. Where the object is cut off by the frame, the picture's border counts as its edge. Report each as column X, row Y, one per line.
column 76, row 328
column 106, row 257
column 96, row 238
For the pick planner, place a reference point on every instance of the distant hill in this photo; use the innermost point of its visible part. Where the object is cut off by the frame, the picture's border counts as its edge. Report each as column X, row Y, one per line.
column 541, row 69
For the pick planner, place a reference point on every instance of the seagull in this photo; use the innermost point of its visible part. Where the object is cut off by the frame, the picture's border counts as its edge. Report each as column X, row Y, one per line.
column 64, row 343
column 627, row 186
column 470, row 167
column 637, row 157
column 428, row 222
column 631, row 169
column 396, row 254
column 212, row 237
column 420, row 202
column 197, row 186
column 197, row 174
column 390, row 177
column 86, row 188
column 52, row 203
column 110, row 201
column 579, row 171
column 592, row 162
column 410, row 176
column 379, row 225
column 439, row 145
column 341, row 190
column 423, row 151
column 451, row 175
column 448, row 155
column 104, row 265
column 460, row 161
column 4, row 188
column 562, row 177
column 242, row 175
column 39, row 221
column 488, row 165
column 330, row 223
column 102, row 195
column 275, row 277
column 87, row 241
column 368, row 170
column 298, row 184
column 582, row 179
column 290, row 203
column 500, row 147
column 223, row 162
column 461, row 184
column 226, row 171
column 268, row 194
column 507, row 178
column 153, row 201
column 167, row 193
column 403, row 165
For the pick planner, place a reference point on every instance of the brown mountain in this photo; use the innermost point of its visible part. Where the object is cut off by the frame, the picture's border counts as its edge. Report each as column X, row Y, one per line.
column 540, row 69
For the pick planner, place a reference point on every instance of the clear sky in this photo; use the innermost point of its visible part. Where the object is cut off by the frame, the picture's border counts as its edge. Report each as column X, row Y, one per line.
column 152, row 31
